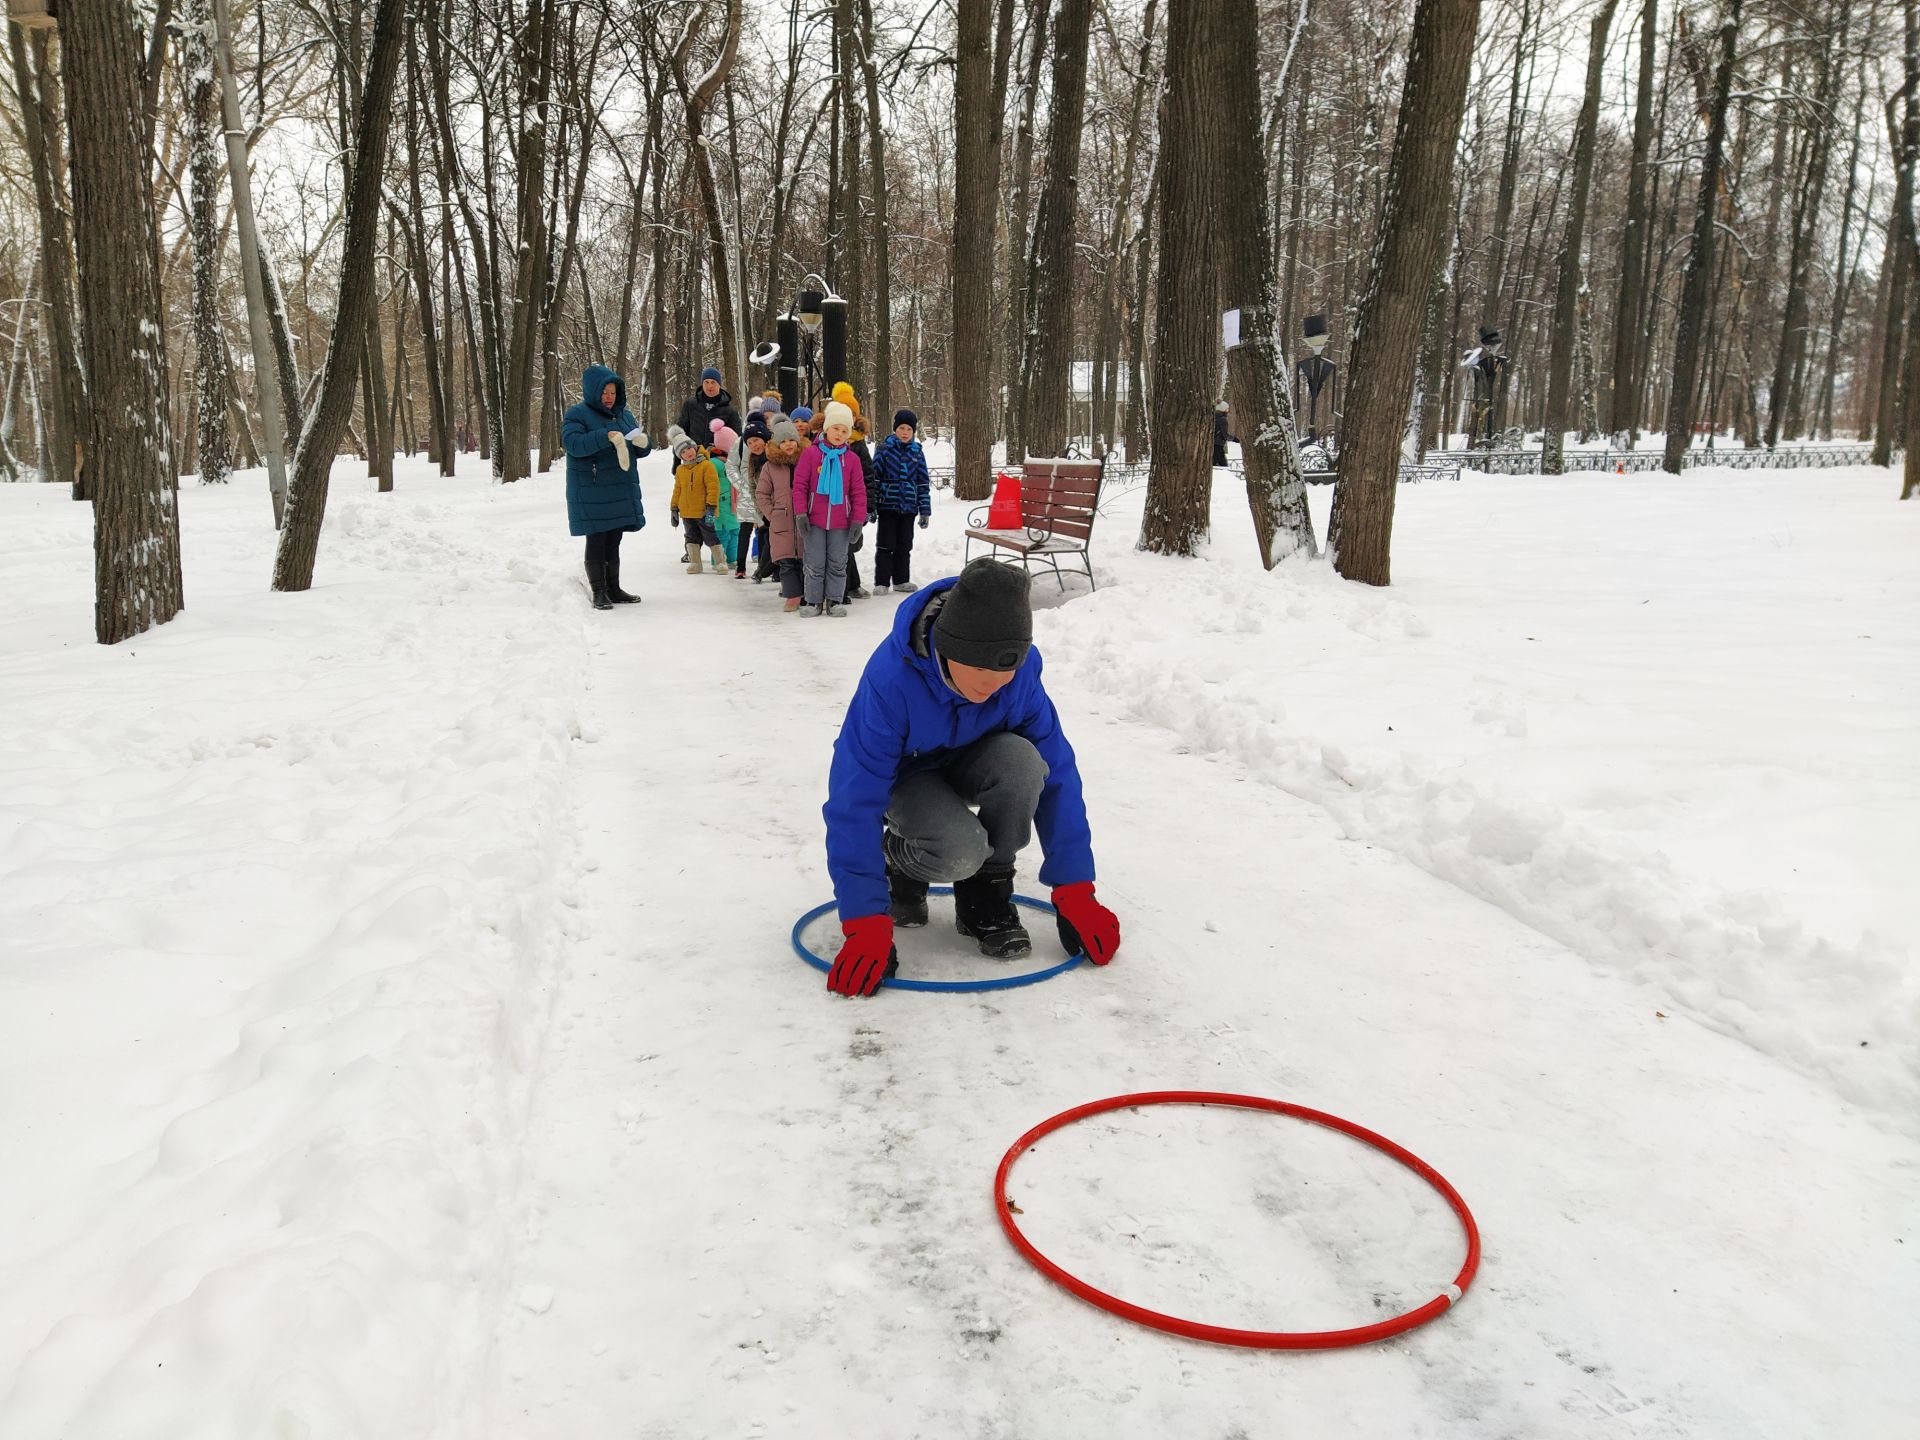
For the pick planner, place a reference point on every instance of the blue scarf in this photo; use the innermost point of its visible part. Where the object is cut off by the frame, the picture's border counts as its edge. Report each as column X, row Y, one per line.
column 831, row 480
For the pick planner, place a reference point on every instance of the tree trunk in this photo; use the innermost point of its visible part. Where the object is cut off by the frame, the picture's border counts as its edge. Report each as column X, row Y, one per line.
column 1013, row 354
column 1405, row 257
column 65, row 397
column 1566, row 295
column 1899, row 263
column 1050, row 327
column 126, row 458
column 970, row 257
column 1498, row 243
column 879, row 399
column 1689, row 335
column 1909, row 157
column 1793, row 330
column 1257, row 375
column 440, row 443
column 698, row 103
column 211, row 381
column 1843, row 269
column 1135, row 434
column 313, row 463
column 1186, row 351
column 1631, row 307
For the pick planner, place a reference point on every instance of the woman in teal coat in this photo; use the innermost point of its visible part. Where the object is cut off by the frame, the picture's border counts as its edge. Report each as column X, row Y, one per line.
column 602, row 440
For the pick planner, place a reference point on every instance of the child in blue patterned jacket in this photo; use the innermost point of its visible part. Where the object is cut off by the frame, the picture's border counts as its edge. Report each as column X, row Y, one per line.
column 902, row 492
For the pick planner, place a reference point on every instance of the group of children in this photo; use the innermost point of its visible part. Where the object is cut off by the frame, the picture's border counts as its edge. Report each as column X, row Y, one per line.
column 799, row 490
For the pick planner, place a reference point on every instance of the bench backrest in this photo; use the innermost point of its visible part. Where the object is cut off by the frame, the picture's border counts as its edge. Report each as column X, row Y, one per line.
column 1060, row 495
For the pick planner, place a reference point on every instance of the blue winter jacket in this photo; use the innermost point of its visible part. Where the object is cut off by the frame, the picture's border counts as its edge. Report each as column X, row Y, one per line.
column 905, row 718
column 901, row 485
column 600, row 495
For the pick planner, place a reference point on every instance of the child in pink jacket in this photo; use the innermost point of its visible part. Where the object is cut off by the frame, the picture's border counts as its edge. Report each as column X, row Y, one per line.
column 829, row 505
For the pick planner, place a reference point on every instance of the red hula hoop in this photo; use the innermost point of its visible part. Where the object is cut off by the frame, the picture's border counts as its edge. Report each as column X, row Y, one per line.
column 1222, row 1334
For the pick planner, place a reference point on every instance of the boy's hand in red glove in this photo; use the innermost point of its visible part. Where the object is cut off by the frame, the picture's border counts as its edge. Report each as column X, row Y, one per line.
column 865, row 958
column 1086, row 926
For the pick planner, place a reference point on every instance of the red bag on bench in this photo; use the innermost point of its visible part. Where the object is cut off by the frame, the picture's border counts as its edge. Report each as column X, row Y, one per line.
column 1003, row 513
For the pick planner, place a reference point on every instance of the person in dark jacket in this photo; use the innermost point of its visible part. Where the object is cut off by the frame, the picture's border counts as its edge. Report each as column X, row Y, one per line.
column 1220, row 436
column 902, row 493
column 951, row 714
column 602, row 440
column 707, row 404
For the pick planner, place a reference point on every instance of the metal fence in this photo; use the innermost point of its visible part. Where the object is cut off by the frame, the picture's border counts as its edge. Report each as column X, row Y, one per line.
column 1781, row 457
column 1122, row 476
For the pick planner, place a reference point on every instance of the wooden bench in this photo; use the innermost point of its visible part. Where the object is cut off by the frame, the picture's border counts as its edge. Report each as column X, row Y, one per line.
column 1059, row 500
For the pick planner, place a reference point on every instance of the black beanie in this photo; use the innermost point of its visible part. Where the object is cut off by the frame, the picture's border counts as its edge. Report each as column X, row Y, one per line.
column 987, row 620
column 757, row 425
column 906, row 417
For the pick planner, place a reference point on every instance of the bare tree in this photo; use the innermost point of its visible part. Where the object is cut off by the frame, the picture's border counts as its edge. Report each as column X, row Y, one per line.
column 320, row 440
column 1566, row 320
column 1257, row 374
column 1050, row 329
column 1413, row 227
column 1690, row 335
column 212, row 381
column 127, row 446
column 1186, row 351
column 1630, row 309
column 64, row 396
column 977, row 175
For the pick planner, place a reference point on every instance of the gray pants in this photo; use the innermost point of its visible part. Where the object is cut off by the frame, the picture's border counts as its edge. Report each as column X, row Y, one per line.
column 826, row 565
column 936, row 837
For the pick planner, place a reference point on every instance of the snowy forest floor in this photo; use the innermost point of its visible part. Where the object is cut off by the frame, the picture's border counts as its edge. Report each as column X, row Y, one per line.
column 399, row 1035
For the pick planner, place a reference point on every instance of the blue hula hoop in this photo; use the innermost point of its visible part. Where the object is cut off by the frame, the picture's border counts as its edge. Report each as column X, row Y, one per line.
column 1005, row 982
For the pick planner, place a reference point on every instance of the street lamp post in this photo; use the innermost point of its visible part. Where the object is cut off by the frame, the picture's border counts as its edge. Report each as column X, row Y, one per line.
column 812, row 342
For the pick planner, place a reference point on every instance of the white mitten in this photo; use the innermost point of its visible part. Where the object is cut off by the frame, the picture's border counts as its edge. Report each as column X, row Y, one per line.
column 620, row 450
column 638, row 439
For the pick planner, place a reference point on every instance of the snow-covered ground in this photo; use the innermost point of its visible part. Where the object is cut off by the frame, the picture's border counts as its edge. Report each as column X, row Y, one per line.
column 398, row 1034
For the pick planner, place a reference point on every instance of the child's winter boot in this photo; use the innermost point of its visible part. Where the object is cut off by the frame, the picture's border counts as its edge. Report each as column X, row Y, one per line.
column 983, row 911
column 718, row 554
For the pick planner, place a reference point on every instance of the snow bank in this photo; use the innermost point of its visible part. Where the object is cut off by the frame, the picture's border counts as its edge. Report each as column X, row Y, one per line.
column 1667, row 723
column 282, row 885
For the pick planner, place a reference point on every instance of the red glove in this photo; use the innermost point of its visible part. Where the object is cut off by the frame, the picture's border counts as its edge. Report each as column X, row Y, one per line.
column 1085, row 924
column 866, row 957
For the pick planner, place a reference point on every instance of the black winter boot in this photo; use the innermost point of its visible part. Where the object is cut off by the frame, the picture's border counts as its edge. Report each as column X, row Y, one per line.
column 983, row 911
column 614, row 592
column 597, row 582
column 908, row 898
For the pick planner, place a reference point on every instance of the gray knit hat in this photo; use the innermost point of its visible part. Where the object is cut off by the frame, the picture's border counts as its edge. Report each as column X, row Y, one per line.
column 785, row 432
column 987, row 620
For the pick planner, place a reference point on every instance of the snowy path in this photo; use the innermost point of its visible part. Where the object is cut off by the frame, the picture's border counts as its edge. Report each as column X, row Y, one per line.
column 756, row 1209
column 398, row 1034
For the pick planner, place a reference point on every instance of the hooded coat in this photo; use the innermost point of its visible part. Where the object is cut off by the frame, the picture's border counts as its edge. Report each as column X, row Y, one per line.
column 904, row 718
column 696, row 487
column 600, row 495
column 773, row 488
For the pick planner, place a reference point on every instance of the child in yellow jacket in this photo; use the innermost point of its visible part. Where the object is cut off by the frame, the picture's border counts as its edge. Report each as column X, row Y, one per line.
column 696, row 501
